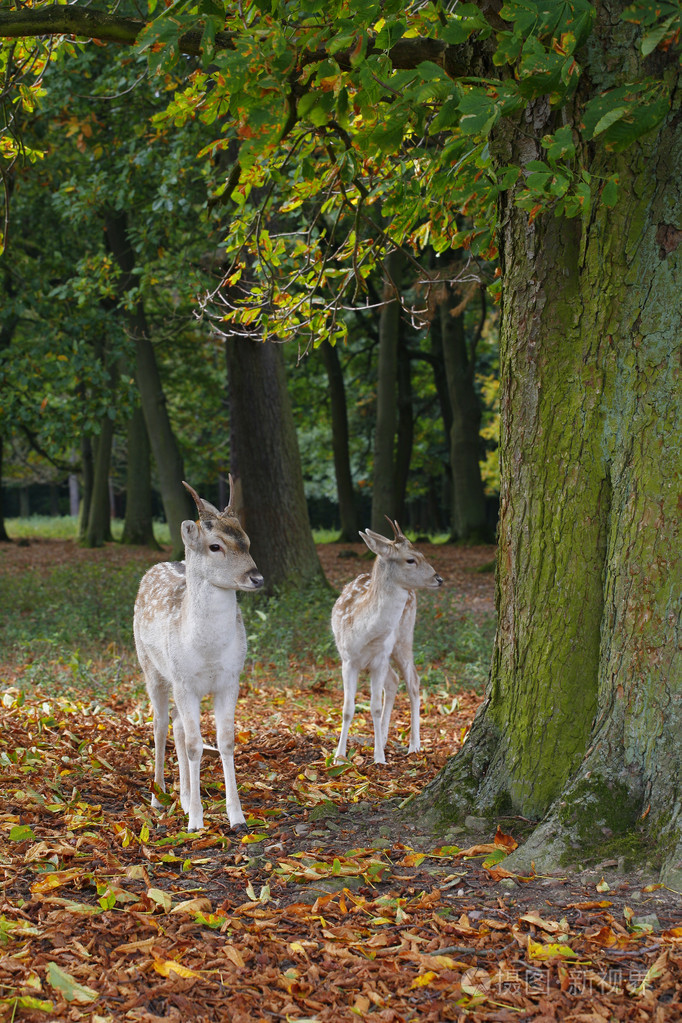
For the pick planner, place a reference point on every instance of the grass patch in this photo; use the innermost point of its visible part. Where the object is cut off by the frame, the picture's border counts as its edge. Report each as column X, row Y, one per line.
column 65, row 527
column 68, row 626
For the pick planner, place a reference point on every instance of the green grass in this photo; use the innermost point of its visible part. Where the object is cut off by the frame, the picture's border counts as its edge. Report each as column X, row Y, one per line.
column 75, row 622
column 65, row 527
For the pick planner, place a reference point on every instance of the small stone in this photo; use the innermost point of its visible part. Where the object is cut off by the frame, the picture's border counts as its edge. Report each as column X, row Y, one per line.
column 644, row 923
column 507, row 882
column 475, row 823
column 362, row 807
column 302, row 829
column 385, row 831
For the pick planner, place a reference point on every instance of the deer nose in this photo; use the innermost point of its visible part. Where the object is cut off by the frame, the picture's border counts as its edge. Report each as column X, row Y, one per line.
column 438, row 580
column 256, row 580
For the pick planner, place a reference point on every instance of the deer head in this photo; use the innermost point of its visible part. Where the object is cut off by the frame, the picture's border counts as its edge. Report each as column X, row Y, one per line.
column 218, row 547
column 409, row 568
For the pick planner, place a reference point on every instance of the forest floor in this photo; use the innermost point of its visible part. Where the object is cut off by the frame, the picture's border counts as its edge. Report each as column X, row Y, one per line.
column 339, row 903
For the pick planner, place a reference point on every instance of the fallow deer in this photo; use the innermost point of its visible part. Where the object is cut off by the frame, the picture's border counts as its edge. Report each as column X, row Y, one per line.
column 191, row 643
column 373, row 622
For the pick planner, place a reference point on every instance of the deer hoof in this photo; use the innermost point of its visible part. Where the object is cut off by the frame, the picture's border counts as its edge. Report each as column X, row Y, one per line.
column 240, row 828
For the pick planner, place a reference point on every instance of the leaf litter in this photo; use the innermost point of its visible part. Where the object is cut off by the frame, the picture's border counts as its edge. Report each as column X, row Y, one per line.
column 338, row 904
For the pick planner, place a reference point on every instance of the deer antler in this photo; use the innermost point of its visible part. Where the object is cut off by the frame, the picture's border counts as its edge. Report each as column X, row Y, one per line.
column 397, row 531
column 229, row 510
column 206, row 510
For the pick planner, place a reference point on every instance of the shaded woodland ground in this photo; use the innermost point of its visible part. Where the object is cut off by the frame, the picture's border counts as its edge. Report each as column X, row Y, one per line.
column 341, row 902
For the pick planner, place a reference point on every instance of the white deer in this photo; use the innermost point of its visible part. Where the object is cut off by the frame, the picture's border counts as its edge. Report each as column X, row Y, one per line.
column 373, row 622
column 191, row 643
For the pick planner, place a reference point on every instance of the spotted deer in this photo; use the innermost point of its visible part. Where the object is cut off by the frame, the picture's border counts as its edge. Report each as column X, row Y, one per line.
column 373, row 623
column 191, row 643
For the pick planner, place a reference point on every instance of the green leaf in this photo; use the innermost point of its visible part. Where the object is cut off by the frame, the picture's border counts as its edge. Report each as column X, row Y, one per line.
column 69, row 986
column 608, row 119
column 609, row 193
column 21, row 833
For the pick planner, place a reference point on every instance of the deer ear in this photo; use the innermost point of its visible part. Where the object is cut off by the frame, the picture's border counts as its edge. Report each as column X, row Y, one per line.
column 377, row 543
column 190, row 533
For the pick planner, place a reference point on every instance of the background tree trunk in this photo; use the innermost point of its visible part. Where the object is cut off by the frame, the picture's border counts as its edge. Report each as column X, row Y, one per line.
column 339, row 414
column 383, row 478
column 468, row 497
column 98, row 529
column 265, row 454
column 4, row 537
column 87, row 474
column 405, row 431
column 582, row 722
column 177, row 503
column 138, row 527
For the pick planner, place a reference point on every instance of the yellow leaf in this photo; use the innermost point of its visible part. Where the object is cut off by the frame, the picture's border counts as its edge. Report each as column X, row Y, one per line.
column 536, row 950
column 296, row 946
column 167, row 967
column 424, row 979
column 48, row 882
column 161, row 898
column 193, row 906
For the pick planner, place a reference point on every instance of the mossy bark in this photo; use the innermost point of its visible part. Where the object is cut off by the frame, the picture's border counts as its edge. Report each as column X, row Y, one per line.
column 582, row 723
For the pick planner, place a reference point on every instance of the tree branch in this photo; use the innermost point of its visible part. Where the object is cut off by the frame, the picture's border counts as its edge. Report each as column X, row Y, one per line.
column 87, row 23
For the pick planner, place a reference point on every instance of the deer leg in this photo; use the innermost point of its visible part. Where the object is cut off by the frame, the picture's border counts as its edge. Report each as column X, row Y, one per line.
column 390, row 689
column 378, row 677
column 225, row 703
column 350, row 685
column 409, row 673
column 183, row 762
column 187, row 730
column 159, row 700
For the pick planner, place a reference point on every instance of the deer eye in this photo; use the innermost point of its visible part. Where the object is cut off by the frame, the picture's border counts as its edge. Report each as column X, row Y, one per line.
column 410, row 561
column 214, row 547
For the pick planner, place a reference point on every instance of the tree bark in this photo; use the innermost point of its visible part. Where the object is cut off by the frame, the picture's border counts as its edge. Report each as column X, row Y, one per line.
column 98, row 528
column 4, row 537
column 177, row 503
column 339, row 414
column 87, row 473
column 583, row 713
column 265, row 455
column 468, row 497
column 383, row 477
column 405, row 429
column 138, row 527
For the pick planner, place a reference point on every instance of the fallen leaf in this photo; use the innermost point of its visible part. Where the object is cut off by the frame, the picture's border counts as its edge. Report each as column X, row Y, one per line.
column 70, row 988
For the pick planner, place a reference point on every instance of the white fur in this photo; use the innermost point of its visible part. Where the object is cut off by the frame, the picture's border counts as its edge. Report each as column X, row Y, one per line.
column 191, row 643
column 373, row 622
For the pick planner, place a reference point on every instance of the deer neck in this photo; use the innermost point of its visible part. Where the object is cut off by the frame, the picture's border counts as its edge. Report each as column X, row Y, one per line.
column 385, row 593
column 204, row 599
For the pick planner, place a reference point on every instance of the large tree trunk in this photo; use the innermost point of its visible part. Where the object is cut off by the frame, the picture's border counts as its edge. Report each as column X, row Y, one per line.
column 266, row 457
column 582, row 723
column 177, row 503
column 344, row 480
column 468, row 497
column 138, row 527
column 383, row 476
